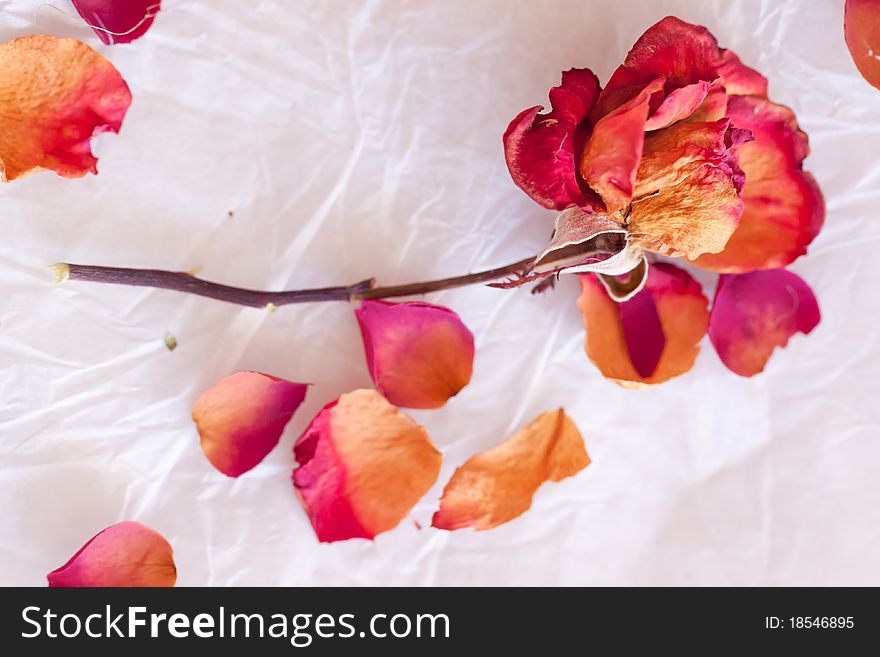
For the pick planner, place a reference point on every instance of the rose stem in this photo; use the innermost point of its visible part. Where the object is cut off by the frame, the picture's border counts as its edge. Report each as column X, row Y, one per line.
column 184, row 282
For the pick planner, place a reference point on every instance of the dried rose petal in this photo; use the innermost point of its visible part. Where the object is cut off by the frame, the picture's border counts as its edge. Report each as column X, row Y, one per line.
column 497, row 486
column 861, row 25
column 756, row 312
column 783, row 207
column 118, row 21
column 679, row 104
column 419, row 354
column 241, row 418
column 363, row 466
column 540, row 148
column 56, row 94
column 124, row 554
column 650, row 338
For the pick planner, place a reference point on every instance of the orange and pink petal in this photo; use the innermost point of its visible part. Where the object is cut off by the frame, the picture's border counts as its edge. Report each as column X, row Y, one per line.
column 57, row 94
column 541, row 149
column 124, row 554
column 419, row 354
column 118, row 21
column 363, row 465
column 496, row 486
column 240, row 419
column 653, row 336
column 757, row 312
column 861, row 25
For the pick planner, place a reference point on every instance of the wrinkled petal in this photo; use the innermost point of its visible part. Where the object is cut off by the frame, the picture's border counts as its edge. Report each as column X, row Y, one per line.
column 540, row 148
column 241, row 418
column 683, row 54
column 678, row 105
column 363, row 466
column 581, row 238
column 124, row 554
column 861, row 25
column 56, row 95
column 650, row 338
column 756, row 312
column 611, row 157
column 118, row 21
column 419, row 355
column 497, row 486
column 783, row 207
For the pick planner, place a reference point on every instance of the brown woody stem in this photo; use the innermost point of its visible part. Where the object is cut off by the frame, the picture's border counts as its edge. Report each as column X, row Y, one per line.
column 367, row 289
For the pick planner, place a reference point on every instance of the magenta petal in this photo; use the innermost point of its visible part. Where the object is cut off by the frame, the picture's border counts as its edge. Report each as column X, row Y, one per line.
column 678, row 105
column 540, row 149
column 756, row 312
column 118, row 21
column 643, row 333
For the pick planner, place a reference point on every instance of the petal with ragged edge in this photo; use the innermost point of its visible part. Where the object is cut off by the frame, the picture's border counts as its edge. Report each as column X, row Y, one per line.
column 683, row 54
column 756, row 312
column 783, row 207
column 115, row 21
column 540, row 149
column 363, row 466
column 56, row 95
column 124, row 554
column 611, row 157
column 861, row 25
column 498, row 485
column 241, row 418
column 419, row 355
column 650, row 338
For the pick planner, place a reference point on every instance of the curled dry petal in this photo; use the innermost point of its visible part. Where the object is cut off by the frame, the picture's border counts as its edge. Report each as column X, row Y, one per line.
column 679, row 104
column 118, row 21
column 756, row 312
column 56, row 95
column 783, row 207
column 624, row 287
column 124, row 554
column 497, row 486
column 241, row 418
column 540, row 148
column 861, row 26
column 363, row 466
column 650, row 338
column 419, row 355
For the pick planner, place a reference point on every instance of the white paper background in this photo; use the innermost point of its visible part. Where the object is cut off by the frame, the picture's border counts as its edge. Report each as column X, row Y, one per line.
column 359, row 139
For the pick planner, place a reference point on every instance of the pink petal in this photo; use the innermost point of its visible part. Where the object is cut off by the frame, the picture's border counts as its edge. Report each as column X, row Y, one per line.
column 118, row 21
column 678, row 105
column 241, row 418
column 419, row 355
column 540, row 149
column 125, row 554
column 756, row 312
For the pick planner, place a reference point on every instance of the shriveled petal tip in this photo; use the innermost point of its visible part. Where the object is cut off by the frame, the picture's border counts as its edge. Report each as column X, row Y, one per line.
column 861, row 25
column 540, row 148
column 498, row 485
column 650, row 338
column 783, row 209
column 419, row 355
column 611, row 157
column 56, row 95
column 363, row 466
column 756, row 312
column 241, row 418
column 124, row 554
column 118, row 22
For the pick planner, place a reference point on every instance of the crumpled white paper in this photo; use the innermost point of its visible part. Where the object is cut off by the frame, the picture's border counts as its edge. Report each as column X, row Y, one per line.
column 354, row 139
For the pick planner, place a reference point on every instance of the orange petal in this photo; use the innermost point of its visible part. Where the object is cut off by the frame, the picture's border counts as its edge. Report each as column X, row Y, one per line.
column 363, row 466
column 419, row 354
column 57, row 94
column 124, row 554
column 611, row 157
column 783, row 207
column 497, row 486
column 241, row 418
column 650, row 338
column 861, row 25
